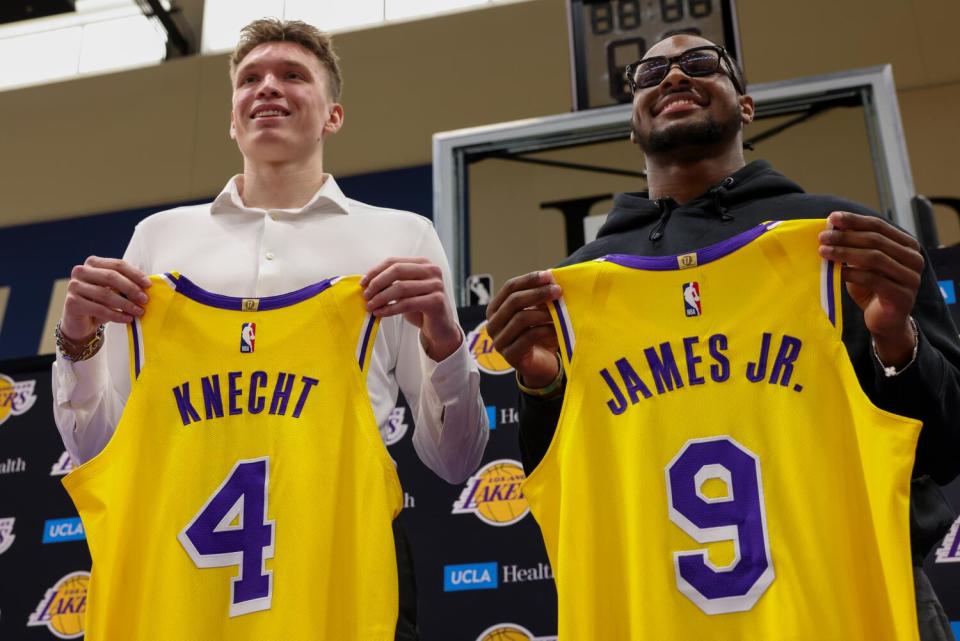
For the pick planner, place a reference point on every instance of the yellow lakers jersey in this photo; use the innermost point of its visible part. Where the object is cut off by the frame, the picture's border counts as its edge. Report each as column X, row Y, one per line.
column 717, row 472
column 246, row 493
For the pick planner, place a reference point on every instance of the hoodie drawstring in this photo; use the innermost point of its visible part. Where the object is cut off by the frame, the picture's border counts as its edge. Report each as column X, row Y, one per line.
column 716, row 193
column 665, row 210
column 667, row 205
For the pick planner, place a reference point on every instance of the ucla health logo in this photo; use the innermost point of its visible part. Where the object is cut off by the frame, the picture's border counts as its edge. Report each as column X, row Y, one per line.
column 6, row 533
column 491, row 416
column 494, row 494
column 691, row 299
column 470, row 576
column 63, row 608
column 948, row 551
column 16, row 397
column 395, row 427
column 63, row 530
column 481, row 348
column 948, row 290
column 248, row 336
column 12, row 465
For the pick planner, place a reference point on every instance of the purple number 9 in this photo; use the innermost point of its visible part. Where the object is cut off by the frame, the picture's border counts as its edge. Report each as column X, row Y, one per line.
column 232, row 529
column 739, row 517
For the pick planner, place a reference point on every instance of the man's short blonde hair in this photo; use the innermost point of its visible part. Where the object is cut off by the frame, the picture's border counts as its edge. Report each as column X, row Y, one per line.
column 307, row 36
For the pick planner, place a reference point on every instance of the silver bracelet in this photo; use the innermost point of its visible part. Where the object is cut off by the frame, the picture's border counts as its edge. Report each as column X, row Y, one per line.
column 73, row 351
column 890, row 371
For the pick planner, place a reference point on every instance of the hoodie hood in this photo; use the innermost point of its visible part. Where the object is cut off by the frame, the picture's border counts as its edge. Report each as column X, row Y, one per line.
column 755, row 181
column 755, row 194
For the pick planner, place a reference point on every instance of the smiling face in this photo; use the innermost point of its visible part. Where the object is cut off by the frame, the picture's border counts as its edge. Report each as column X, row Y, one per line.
column 687, row 114
column 282, row 107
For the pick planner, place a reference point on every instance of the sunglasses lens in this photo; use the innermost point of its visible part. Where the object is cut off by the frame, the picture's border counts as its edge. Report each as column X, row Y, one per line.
column 700, row 63
column 650, row 72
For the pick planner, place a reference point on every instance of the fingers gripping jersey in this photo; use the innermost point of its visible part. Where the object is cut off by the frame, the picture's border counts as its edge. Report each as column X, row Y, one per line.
column 717, row 472
column 246, row 493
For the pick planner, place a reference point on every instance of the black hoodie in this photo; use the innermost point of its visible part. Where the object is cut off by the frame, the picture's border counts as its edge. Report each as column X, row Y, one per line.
column 928, row 390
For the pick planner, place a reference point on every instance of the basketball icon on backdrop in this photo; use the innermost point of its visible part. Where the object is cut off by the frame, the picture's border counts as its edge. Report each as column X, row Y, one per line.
column 494, row 494
column 487, row 357
column 505, row 632
column 16, row 397
column 63, row 608
column 510, row 632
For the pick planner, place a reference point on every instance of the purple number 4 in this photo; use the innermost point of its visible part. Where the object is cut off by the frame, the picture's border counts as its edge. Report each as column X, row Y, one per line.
column 740, row 517
column 232, row 529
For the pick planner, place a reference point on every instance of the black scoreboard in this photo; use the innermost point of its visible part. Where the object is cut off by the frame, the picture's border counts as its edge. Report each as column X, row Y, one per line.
column 607, row 35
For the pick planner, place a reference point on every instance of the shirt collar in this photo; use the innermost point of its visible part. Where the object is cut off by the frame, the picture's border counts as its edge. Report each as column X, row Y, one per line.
column 329, row 199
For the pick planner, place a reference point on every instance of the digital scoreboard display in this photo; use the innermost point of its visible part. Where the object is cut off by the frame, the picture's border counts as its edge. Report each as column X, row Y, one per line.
column 606, row 36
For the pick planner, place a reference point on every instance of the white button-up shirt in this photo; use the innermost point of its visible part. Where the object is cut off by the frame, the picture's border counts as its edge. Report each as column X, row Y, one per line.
column 229, row 248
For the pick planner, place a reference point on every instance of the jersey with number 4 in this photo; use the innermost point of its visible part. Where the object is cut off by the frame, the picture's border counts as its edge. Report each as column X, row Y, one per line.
column 246, row 493
column 717, row 471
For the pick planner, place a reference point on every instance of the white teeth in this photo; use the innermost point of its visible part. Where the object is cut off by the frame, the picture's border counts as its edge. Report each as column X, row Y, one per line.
column 681, row 101
column 268, row 112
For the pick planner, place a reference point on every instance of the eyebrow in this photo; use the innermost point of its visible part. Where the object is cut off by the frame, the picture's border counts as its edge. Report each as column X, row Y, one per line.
column 287, row 62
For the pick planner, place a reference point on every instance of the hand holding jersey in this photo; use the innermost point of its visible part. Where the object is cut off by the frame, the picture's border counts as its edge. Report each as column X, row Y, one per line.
column 882, row 269
column 519, row 324
column 102, row 290
column 414, row 287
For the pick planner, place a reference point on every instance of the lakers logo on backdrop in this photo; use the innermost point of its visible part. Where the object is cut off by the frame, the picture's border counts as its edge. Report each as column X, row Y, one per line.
column 63, row 608
column 949, row 550
column 494, row 494
column 16, row 397
column 481, row 348
column 6, row 533
column 510, row 632
column 396, row 426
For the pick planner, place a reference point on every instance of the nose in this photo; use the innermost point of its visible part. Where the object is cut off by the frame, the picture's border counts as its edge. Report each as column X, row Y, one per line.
column 269, row 86
column 675, row 76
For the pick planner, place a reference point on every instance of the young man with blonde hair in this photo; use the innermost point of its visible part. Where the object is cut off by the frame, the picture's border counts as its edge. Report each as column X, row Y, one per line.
column 280, row 225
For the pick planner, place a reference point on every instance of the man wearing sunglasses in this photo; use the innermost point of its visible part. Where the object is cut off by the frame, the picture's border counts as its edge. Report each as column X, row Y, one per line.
column 689, row 110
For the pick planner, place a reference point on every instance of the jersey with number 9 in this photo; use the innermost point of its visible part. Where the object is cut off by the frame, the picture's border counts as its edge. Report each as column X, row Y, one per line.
column 717, row 471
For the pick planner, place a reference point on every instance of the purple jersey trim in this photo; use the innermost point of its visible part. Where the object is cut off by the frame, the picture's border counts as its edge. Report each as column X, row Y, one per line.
column 831, row 303
column 366, row 339
column 563, row 329
column 135, row 332
column 705, row 255
column 235, row 303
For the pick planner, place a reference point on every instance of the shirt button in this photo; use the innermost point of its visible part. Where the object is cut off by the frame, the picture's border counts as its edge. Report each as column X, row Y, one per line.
column 269, row 256
column 273, row 215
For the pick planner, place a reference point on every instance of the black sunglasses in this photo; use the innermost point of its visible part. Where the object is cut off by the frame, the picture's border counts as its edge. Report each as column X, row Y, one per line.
column 696, row 63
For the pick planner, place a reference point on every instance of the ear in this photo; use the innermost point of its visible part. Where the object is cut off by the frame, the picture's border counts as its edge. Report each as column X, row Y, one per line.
column 746, row 109
column 334, row 119
column 233, row 126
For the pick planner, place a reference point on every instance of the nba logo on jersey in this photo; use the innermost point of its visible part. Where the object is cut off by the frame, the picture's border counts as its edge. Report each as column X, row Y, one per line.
column 691, row 299
column 248, row 334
